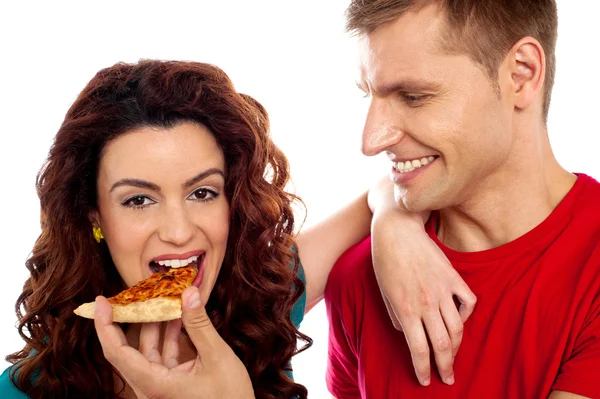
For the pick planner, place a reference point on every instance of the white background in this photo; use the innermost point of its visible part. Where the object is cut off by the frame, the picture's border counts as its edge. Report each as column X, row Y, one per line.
column 294, row 57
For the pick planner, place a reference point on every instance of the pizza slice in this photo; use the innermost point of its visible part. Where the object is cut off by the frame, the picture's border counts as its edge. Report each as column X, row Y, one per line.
column 157, row 298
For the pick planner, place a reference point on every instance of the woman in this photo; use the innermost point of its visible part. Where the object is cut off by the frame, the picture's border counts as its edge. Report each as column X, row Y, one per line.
column 165, row 161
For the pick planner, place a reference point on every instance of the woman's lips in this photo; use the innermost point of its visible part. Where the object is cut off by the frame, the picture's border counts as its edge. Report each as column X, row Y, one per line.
column 198, row 280
column 155, row 267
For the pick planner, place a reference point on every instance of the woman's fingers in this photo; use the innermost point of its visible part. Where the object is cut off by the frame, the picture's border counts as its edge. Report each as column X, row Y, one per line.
column 130, row 363
column 150, row 342
column 170, row 353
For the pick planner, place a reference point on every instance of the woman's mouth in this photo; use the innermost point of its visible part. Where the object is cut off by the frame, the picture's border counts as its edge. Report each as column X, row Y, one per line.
column 169, row 264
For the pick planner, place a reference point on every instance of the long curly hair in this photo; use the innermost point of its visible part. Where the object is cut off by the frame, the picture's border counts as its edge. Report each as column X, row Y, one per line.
column 258, row 284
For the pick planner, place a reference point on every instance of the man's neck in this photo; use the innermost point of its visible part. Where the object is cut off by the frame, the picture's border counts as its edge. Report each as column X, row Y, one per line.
column 509, row 203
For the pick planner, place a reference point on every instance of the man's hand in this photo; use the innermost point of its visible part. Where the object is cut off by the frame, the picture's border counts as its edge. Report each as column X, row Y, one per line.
column 418, row 285
column 216, row 372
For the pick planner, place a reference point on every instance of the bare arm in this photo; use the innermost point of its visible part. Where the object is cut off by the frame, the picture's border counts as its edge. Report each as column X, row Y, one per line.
column 564, row 395
column 320, row 246
column 417, row 284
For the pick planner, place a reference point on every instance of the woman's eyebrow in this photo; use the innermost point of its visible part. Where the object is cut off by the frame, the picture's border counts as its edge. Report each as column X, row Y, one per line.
column 151, row 186
column 135, row 183
column 203, row 175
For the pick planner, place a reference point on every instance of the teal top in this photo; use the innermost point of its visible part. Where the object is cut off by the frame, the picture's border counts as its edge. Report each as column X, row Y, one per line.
column 9, row 391
column 299, row 307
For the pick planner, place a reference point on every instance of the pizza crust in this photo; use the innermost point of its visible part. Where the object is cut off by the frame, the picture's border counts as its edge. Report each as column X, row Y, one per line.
column 152, row 310
column 155, row 299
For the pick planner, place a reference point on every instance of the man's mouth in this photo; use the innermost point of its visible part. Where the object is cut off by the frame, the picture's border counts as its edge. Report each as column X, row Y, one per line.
column 410, row 165
column 169, row 264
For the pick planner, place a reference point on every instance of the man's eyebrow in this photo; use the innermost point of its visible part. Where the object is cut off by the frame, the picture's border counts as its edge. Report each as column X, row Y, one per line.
column 406, row 86
column 151, row 186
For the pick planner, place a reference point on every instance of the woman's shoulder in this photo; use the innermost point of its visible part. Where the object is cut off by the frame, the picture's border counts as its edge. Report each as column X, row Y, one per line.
column 8, row 390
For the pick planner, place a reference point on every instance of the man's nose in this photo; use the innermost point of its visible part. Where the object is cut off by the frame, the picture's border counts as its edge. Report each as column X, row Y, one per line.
column 176, row 227
column 380, row 131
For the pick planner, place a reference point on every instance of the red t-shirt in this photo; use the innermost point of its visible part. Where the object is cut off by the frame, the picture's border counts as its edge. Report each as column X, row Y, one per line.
column 535, row 328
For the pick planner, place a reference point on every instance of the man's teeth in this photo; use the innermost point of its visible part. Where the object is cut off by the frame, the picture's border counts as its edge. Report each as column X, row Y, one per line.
column 178, row 262
column 409, row 166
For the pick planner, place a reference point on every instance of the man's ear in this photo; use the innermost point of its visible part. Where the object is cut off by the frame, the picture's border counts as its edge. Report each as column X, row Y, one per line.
column 526, row 64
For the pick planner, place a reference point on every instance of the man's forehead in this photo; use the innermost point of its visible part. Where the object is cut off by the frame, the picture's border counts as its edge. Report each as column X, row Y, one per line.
column 385, row 75
column 406, row 48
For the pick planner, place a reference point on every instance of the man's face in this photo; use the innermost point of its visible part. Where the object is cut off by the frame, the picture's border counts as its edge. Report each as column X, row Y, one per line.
column 439, row 112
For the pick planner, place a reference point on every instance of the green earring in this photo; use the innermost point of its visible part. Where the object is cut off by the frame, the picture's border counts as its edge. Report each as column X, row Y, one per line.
column 97, row 231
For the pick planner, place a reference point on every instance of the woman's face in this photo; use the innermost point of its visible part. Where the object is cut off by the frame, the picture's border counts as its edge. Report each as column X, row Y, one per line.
column 161, row 199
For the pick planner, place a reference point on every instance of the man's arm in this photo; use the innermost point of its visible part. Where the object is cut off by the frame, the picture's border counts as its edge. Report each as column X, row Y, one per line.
column 418, row 284
column 408, row 266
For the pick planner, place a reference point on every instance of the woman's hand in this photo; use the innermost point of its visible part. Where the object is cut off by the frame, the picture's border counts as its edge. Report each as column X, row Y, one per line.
column 418, row 285
column 216, row 372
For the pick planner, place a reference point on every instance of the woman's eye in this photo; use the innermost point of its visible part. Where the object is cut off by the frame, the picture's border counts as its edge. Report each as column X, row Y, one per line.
column 204, row 194
column 139, row 201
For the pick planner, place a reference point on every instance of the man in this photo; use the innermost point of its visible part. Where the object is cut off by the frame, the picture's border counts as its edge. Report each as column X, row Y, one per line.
column 460, row 93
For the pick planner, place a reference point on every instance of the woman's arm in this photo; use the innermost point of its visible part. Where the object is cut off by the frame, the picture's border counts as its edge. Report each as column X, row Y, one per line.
column 320, row 246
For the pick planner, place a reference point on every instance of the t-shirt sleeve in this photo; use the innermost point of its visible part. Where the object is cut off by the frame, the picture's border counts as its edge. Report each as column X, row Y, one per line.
column 340, row 301
column 581, row 373
column 8, row 390
column 342, row 363
column 297, row 314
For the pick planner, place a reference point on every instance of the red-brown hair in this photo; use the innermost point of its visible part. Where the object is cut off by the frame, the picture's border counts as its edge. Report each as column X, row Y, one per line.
column 484, row 29
column 258, row 283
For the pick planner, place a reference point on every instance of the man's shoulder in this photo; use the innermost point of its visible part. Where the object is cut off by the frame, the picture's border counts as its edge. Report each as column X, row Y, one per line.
column 585, row 211
column 350, row 271
column 588, row 200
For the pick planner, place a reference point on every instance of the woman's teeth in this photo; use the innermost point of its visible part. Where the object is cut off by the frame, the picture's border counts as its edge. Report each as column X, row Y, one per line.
column 409, row 166
column 175, row 263
column 164, row 265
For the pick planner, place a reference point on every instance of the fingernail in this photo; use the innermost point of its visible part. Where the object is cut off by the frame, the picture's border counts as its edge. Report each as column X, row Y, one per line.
column 426, row 381
column 450, row 379
column 194, row 301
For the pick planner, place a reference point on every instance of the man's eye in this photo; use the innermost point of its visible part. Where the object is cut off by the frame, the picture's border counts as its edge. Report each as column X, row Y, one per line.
column 414, row 100
column 412, row 97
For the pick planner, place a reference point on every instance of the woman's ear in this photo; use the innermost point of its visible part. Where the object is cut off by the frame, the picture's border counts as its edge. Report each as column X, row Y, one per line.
column 94, row 218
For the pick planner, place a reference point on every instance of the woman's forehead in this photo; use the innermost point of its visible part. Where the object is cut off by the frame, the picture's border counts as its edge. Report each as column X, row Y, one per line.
column 164, row 154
